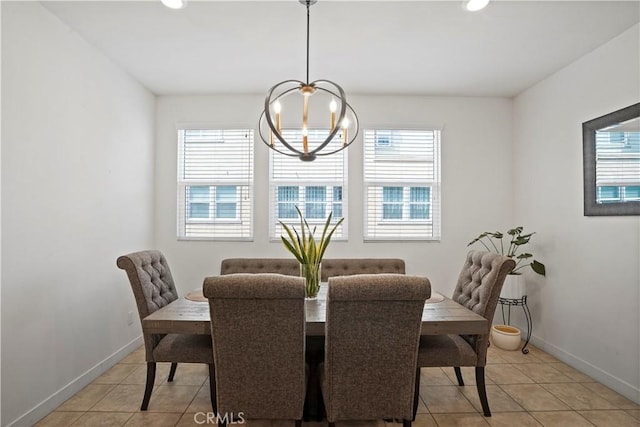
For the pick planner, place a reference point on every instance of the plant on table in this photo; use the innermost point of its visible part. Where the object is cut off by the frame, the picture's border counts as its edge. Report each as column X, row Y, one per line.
column 307, row 250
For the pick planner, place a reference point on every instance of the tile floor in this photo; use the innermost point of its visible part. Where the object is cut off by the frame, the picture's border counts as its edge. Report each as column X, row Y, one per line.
column 524, row 390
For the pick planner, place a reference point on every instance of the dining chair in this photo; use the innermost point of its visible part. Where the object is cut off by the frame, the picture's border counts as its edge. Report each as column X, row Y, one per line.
column 314, row 348
column 372, row 333
column 258, row 330
column 153, row 288
column 478, row 289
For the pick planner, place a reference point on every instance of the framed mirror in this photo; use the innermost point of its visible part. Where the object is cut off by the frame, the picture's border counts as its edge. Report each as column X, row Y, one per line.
column 611, row 159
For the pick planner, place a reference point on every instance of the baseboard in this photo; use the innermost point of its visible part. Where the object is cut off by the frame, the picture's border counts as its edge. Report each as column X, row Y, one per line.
column 624, row 388
column 56, row 399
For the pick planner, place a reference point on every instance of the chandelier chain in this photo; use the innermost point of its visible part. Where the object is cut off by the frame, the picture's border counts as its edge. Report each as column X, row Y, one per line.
column 308, row 6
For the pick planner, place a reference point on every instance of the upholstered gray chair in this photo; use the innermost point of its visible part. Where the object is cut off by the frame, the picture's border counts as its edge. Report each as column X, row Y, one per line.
column 372, row 334
column 258, row 330
column 350, row 266
column 478, row 289
column 330, row 267
column 153, row 288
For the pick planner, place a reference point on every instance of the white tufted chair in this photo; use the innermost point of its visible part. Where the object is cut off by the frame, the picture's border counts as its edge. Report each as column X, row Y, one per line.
column 153, row 288
column 478, row 289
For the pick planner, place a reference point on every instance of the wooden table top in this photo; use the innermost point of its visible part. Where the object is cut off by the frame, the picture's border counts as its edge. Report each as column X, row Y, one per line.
column 190, row 317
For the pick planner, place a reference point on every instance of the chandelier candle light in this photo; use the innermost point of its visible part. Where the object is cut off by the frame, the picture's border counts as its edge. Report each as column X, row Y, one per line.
column 309, row 138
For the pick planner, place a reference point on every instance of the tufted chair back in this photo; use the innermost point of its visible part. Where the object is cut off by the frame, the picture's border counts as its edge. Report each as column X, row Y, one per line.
column 478, row 288
column 153, row 288
column 150, row 279
column 152, row 285
column 286, row 266
column 350, row 266
column 258, row 330
column 372, row 333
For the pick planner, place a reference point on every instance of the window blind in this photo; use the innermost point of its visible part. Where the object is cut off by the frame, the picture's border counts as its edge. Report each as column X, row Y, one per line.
column 215, row 184
column 402, row 184
column 316, row 188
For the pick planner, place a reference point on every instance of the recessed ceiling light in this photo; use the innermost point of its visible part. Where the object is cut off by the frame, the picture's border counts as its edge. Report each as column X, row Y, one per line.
column 474, row 5
column 175, row 4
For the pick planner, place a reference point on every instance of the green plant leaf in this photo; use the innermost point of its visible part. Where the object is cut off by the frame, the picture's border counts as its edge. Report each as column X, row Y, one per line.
column 303, row 245
column 519, row 241
column 295, row 243
column 524, row 256
column 539, row 268
column 515, row 231
column 328, row 238
column 291, row 249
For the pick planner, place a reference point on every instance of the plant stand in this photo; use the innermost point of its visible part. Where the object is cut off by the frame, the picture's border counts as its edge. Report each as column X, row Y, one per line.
column 521, row 302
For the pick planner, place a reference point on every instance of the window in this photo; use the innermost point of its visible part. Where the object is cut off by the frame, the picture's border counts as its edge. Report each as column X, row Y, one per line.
column 315, row 202
column 611, row 194
column 317, row 188
column 419, row 202
column 287, row 201
column 226, row 202
column 215, row 184
column 392, row 202
column 200, row 202
column 402, row 184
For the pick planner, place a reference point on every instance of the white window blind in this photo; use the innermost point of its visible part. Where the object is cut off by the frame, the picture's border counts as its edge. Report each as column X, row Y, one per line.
column 215, row 184
column 617, row 166
column 402, row 184
column 316, row 188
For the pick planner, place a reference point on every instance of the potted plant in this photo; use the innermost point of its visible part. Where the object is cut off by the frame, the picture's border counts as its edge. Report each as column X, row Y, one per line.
column 308, row 251
column 513, row 287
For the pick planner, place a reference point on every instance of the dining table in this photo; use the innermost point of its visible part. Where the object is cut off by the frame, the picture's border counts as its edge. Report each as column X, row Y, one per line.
column 440, row 316
column 190, row 315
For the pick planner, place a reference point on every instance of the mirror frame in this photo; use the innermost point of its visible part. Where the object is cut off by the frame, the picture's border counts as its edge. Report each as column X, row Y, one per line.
column 589, row 128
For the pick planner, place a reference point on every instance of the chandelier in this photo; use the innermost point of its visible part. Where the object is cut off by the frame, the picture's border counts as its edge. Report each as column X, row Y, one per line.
column 319, row 128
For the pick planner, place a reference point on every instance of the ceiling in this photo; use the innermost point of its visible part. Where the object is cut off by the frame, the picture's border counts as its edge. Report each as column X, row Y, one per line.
column 381, row 47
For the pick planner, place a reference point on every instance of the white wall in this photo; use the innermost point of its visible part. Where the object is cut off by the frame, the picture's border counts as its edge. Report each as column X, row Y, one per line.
column 586, row 310
column 476, row 148
column 77, row 190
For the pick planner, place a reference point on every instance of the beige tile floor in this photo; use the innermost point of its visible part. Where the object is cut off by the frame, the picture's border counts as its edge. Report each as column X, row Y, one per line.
column 524, row 390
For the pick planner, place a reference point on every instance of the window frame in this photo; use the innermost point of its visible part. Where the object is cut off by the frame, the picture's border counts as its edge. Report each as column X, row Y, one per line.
column 386, row 154
column 589, row 157
column 244, row 189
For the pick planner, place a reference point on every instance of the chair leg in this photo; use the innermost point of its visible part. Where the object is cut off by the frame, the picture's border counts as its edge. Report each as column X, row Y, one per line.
column 212, row 388
column 482, row 391
column 172, row 372
column 332, row 424
column 406, row 423
column 151, row 379
column 459, row 376
column 298, row 423
column 416, row 393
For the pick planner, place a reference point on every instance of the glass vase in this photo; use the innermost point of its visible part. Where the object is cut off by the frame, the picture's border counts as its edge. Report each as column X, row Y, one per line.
column 311, row 274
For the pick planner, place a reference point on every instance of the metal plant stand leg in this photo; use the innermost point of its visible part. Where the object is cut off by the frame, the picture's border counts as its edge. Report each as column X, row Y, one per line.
column 527, row 314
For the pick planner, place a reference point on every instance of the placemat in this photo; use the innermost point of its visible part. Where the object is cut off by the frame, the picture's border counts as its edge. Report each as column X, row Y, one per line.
column 196, row 296
column 435, row 297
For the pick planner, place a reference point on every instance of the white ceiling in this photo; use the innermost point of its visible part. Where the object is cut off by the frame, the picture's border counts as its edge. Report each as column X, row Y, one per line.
column 381, row 47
